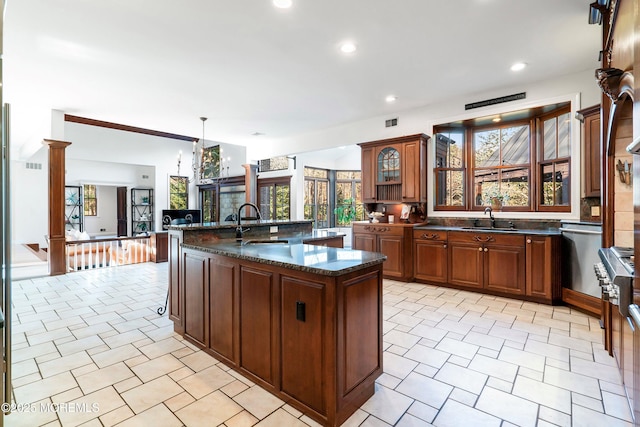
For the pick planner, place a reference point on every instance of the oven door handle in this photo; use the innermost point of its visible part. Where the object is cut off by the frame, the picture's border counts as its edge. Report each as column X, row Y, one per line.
column 634, row 311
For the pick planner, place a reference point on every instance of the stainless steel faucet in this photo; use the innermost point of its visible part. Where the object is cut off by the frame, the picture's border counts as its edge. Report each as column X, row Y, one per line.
column 493, row 220
column 239, row 229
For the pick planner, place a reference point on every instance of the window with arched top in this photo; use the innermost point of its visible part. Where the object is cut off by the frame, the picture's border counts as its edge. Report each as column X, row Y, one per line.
column 388, row 165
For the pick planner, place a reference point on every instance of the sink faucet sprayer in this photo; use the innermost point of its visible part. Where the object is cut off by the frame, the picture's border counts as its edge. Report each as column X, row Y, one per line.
column 493, row 220
column 239, row 229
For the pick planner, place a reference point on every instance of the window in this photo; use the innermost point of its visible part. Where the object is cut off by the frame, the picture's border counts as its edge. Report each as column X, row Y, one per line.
column 449, row 169
column 90, row 200
column 211, row 162
column 553, row 167
column 178, row 192
column 274, row 197
column 349, row 206
column 209, row 203
column 521, row 164
column 274, row 164
column 316, row 196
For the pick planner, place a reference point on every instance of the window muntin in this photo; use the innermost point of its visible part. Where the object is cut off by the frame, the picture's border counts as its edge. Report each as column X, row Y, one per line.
column 178, row 192
column 90, row 200
column 388, row 165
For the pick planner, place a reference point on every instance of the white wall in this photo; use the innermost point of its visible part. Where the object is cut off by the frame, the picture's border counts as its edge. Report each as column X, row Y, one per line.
column 106, row 220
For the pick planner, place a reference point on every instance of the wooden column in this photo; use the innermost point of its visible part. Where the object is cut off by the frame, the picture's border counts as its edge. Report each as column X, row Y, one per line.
column 57, row 262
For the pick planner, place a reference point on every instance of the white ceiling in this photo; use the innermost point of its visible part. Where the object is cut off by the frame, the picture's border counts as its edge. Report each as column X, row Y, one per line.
column 250, row 67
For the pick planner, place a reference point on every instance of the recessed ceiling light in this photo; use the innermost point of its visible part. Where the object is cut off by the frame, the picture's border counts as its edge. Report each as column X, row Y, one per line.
column 282, row 4
column 518, row 66
column 257, row 134
column 391, row 98
column 348, row 47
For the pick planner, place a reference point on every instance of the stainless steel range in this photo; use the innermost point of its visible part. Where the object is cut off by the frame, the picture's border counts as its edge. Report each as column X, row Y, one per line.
column 615, row 276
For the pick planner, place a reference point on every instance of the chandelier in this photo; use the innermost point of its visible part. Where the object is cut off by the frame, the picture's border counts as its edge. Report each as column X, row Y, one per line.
column 205, row 162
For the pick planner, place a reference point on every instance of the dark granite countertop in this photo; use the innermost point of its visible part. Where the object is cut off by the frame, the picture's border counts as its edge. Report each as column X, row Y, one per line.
column 530, row 231
column 294, row 254
column 233, row 224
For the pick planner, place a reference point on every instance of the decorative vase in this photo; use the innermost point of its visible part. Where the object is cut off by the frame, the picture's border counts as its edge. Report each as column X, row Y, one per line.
column 496, row 204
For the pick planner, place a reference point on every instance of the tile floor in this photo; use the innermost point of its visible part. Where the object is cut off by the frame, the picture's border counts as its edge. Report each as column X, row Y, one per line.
column 89, row 349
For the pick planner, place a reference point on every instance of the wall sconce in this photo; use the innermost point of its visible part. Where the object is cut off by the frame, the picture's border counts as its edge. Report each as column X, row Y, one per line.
column 624, row 172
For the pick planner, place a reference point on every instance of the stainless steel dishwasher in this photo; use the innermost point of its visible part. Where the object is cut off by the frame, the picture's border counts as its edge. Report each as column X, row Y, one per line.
column 581, row 241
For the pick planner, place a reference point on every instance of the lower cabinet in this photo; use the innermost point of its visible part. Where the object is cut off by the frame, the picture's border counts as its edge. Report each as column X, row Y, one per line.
column 494, row 262
column 393, row 240
column 543, row 270
column 430, row 256
column 510, row 264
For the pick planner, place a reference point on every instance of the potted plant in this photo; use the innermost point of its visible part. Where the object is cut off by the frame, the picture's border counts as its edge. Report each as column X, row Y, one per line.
column 345, row 213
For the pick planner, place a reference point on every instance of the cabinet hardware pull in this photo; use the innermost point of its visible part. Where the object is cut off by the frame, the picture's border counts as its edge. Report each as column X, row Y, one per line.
column 444, row 246
column 486, row 239
column 430, row 236
column 301, row 311
column 528, row 240
column 480, row 249
column 376, row 229
column 486, row 250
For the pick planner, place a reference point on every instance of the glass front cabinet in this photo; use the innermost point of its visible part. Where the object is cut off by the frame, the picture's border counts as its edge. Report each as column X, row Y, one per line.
column 394, row 170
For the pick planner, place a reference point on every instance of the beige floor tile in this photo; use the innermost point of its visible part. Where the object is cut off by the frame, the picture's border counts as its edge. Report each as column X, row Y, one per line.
column 89, row 407
column 460, row 377
column 34, row 351
column 458, row 348
column 242, row 419
column 179, row 401
column 281, row 418
column 157, row 367
column 115, row 355
column 234, row 388
column 158, row 416
column 150, row 394
column 104, row 377
column 127, row 384
column 124, row 338
column 503, row 405
column 65, row 363
column 39, row 390
column 258, row 401
column 116, row 416
column 543, row 394
column 181, row 373
column 216, row 408
column 572, row 381
column 35, row 414
column 582, row 416
column 455, row 414
column 204, row 382
column 161, row 347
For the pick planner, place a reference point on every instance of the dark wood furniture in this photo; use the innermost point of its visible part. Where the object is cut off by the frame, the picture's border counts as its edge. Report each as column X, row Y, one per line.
column 160, row 246
column 312, row 339
column 56, row 237
column 591, row 150
column 518, row 265
column 430, row 261
column 393, row 240
column 393, row 170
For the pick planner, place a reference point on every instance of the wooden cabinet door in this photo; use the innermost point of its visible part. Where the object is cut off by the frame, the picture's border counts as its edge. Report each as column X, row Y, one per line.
column 539, row 266
column 256, row 328
column 368, row 175
column 592, row 158
column 430, row 261
column 411, row 173
column 222, row 307
column 465, row 264
column 393, row 248
column 302, row 361
column 195, row 297
column 504, row 268
column 365, row 242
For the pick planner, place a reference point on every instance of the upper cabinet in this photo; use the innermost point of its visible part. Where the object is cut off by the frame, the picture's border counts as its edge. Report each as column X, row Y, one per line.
column 394, row 170
column 591, row 150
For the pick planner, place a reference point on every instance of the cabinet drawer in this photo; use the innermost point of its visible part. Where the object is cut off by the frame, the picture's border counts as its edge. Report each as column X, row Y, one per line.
column 432, row 235
column 487, row 238
column 380, row 228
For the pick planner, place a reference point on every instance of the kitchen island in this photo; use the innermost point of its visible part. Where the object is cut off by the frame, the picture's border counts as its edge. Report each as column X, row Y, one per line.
column 302, row 321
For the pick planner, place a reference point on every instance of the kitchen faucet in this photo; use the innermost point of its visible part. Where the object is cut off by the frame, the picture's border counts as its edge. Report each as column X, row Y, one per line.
column 239, row 229
column 493, row 220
